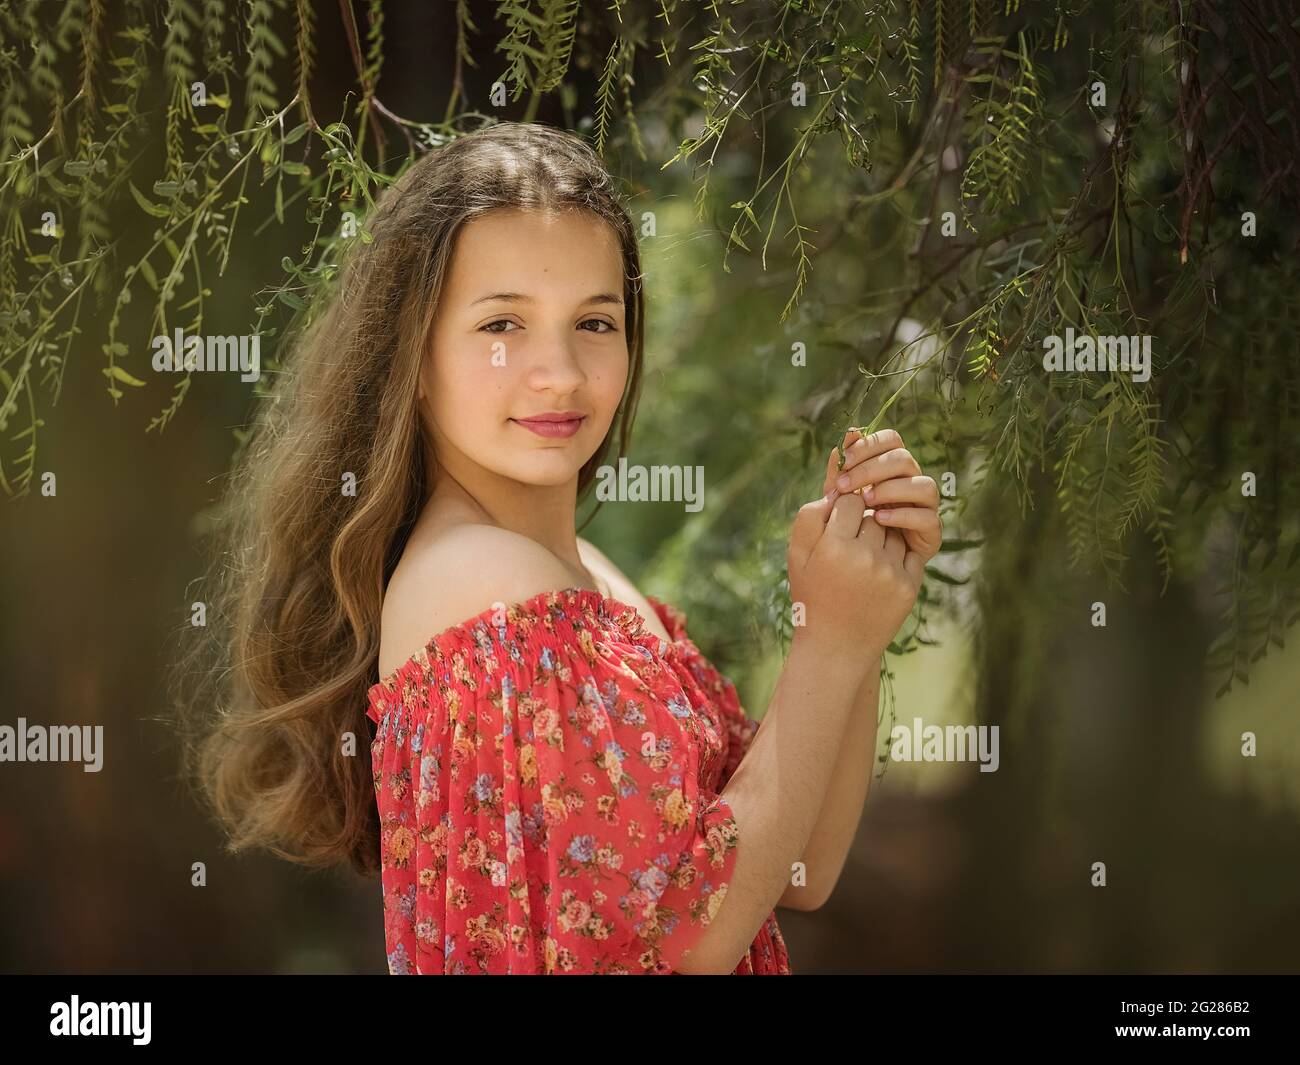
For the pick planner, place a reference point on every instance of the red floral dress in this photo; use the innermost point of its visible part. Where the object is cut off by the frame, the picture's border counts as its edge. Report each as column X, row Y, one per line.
column 548, row 779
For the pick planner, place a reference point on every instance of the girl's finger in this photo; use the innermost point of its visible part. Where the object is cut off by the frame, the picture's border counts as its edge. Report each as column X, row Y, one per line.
column 895, row 547
column 914, row 564
column 871, row 535
column 851, row 438
column 868, row 447
column 920, row 525
column 922, row 519
column 916, row 491
column 897, row 462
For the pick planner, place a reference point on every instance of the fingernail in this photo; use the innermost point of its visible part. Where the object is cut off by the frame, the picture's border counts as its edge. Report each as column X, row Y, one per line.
column 868, row 493
column 883, row 515
column 842, row 482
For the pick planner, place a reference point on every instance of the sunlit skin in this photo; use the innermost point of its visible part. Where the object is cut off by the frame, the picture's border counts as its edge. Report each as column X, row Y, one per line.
column 547, row 287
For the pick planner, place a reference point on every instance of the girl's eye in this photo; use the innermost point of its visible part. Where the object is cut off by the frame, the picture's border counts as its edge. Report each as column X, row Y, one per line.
column 608, row 328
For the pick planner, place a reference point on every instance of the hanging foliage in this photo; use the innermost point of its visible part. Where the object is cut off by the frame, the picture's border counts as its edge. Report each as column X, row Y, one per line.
column 1007, row 172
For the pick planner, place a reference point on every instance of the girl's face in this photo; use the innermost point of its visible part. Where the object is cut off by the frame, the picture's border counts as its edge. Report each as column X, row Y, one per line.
column 532, row 322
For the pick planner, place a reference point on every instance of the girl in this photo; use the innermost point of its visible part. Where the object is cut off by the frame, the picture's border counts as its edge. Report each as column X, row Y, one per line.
column 558, row 780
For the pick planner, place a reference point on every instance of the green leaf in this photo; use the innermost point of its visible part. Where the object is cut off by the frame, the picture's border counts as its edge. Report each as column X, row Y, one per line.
column 944, row 578
column 959, row 545
column 119, row 374
column 147, row 205
column 63, row 188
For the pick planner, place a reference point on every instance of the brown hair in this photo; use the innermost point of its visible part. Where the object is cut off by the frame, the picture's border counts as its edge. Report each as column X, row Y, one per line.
column 281, row 671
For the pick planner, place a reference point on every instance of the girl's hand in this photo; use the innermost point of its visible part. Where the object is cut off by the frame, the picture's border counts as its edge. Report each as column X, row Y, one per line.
column 897, row 495
column 856, row 581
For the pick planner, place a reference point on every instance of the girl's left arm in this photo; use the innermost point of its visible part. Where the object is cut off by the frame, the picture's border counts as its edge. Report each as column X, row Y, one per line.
column 907, row 503
column 837, row 824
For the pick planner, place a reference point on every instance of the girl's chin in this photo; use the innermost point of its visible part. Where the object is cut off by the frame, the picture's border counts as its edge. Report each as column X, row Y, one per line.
column 547, row 468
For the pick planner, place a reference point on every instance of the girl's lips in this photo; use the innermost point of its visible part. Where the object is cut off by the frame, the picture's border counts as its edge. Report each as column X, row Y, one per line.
column 551, row 428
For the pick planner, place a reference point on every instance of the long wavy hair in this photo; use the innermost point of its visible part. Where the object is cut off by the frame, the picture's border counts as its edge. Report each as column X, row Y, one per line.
column 268, row 690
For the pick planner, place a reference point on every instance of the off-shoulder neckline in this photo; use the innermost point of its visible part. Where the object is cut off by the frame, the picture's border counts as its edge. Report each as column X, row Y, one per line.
column 627, row 617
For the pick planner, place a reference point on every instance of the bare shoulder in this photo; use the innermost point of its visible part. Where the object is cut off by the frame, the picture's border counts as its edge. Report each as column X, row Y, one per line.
column 455, row 575
column 600, row 563
column 590, row 552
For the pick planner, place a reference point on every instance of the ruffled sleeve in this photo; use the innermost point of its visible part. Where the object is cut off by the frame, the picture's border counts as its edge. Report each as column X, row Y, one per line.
column 539, row 777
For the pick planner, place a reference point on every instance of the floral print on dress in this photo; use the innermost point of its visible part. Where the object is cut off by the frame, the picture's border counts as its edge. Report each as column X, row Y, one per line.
column 549, row 781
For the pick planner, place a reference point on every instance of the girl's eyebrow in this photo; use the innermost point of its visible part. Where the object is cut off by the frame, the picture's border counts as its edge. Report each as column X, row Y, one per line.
column 517, row 297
